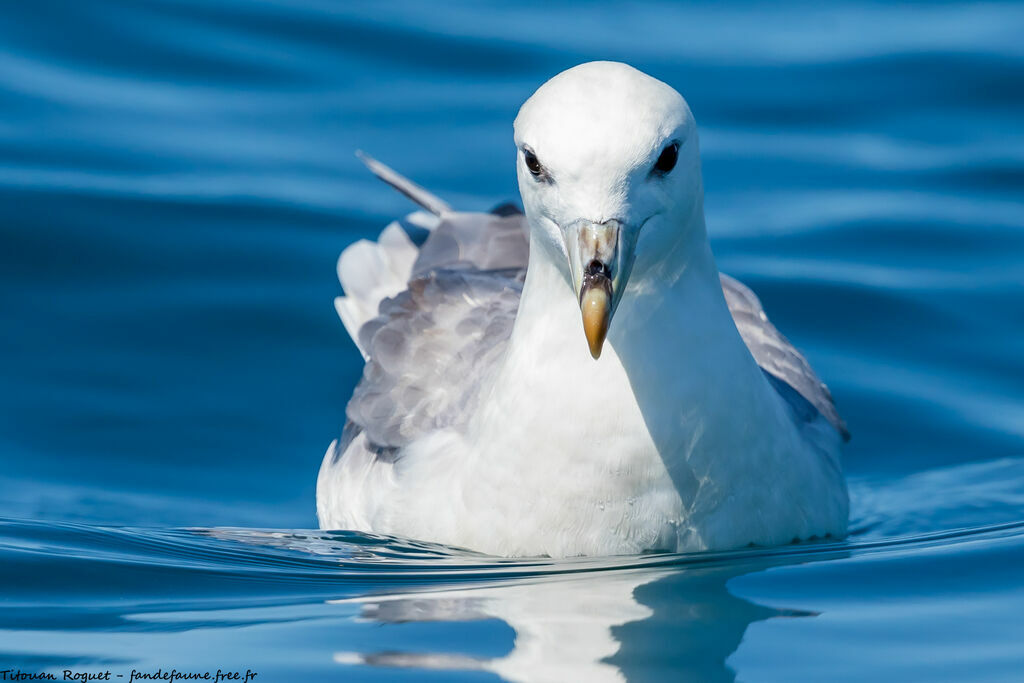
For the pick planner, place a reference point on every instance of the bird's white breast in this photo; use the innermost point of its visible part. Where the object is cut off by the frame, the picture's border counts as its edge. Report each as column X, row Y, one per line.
column 567, row 456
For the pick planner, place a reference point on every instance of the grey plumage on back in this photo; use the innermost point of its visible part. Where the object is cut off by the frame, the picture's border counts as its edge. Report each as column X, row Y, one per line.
column 475, row 241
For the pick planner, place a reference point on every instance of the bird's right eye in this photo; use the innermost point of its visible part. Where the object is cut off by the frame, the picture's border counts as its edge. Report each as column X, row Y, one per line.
column 532, row 165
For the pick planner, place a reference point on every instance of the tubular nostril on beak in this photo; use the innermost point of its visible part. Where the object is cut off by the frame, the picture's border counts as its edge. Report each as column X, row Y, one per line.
column 596, row 267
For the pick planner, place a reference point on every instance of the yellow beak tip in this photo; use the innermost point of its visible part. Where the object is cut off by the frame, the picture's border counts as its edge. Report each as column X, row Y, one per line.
column 595, row 306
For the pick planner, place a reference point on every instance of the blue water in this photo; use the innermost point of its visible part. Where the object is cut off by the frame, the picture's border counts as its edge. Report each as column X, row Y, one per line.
column 177, row 179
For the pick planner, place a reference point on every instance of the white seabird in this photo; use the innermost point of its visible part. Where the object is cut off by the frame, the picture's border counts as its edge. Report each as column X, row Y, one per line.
column 492, row 415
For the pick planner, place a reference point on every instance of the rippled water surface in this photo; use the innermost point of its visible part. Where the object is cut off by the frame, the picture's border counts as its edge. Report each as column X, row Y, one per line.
column 177, row 179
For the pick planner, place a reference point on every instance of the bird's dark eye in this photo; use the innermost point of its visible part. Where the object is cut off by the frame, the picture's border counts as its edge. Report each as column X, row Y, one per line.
column 667, row 160
column 536, row 170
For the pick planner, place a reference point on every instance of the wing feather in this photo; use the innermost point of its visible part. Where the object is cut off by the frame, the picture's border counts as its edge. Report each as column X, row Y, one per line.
column 775, row 354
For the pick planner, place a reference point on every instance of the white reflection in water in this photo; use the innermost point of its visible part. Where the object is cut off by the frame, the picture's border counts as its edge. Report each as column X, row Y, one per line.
column 597, row 626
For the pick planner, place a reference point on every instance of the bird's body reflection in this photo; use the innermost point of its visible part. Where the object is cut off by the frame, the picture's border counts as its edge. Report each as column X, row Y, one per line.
column 599, row 626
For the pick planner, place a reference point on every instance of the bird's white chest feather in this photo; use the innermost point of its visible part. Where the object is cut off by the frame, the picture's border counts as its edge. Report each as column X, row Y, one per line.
column 570, row 456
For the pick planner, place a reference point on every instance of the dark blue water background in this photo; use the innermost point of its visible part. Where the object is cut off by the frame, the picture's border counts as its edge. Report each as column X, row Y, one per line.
column 177, row 180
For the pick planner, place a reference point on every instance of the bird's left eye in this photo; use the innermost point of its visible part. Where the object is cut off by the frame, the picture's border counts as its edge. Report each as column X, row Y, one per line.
column 667, row 160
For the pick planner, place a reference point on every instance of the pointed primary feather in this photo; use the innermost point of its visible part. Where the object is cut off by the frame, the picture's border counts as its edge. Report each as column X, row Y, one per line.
column 427, row 200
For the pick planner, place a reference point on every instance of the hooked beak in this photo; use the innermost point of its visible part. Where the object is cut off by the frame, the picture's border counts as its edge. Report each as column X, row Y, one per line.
column 600, row 257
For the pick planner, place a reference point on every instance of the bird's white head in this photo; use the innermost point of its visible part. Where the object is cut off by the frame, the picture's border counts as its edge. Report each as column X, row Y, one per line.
column 609, row 172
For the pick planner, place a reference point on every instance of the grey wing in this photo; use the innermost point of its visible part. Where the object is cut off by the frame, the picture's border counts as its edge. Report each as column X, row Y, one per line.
column 430, row 350
column 432, row 346
column 431, row 310
column 788, row 370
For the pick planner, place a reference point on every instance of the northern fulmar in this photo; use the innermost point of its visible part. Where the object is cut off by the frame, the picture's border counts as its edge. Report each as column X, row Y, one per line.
column 577, row 379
